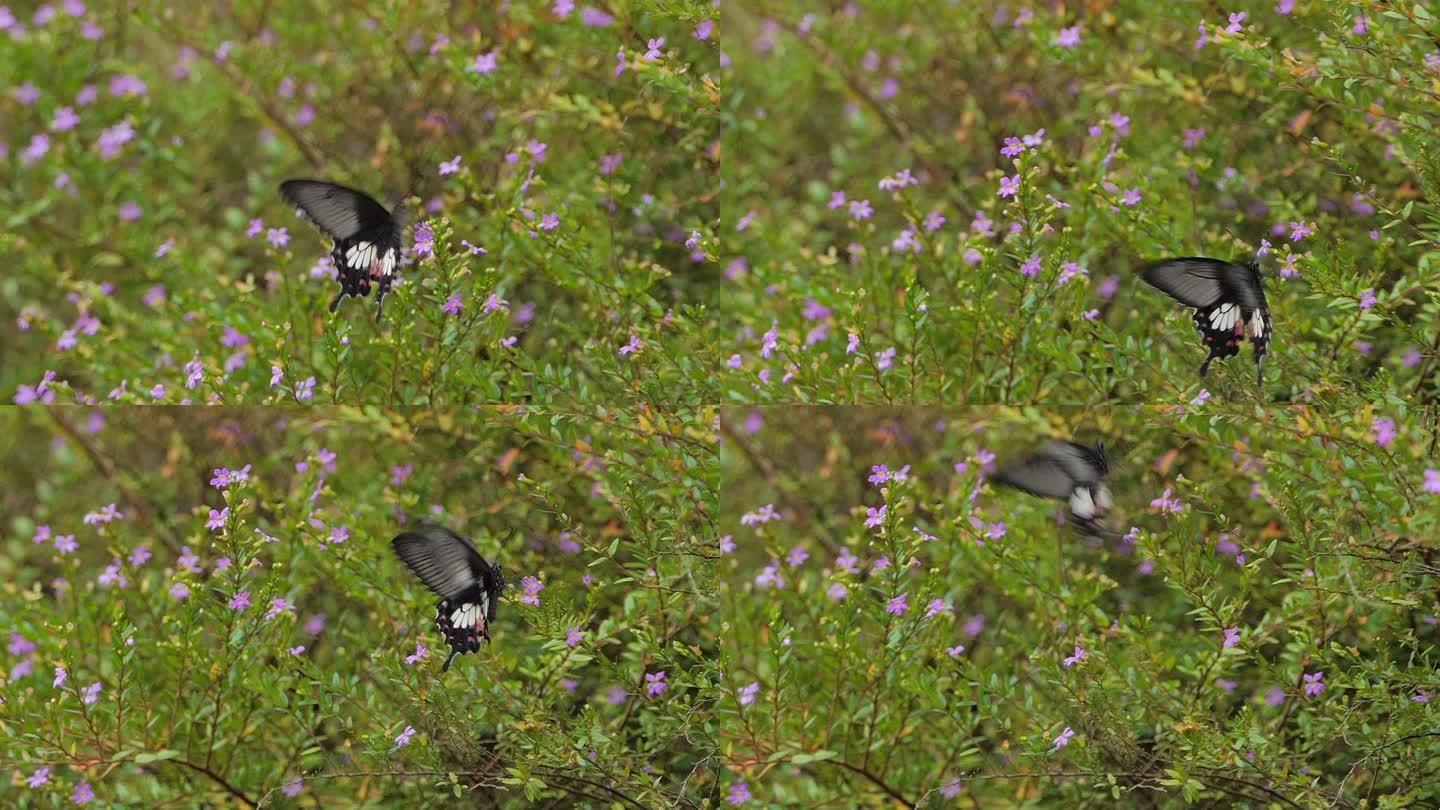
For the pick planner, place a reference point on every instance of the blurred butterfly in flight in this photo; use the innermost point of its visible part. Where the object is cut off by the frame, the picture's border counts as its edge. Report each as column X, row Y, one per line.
column 1070, row 472
column 1229, row 302
column 367, row 237
column 467, row 585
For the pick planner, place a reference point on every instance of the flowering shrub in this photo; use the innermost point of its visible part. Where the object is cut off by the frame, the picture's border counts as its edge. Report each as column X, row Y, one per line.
column 562, row 159
column 944, row 202
column 897, row 627
column 204, row 609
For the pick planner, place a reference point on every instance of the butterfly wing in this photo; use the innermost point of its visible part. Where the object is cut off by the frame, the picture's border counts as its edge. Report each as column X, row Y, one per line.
column 1081, row 463
column 342, row 213
column 1223, row 294
column 1040, row 474
column 446, row 562
column 1192, row 280
column 1244, row 285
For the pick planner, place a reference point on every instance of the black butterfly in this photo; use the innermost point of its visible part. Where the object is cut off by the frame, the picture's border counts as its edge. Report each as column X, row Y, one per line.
column 367, row 237
column 468, row 586
column 1229, row 302
column 1068, row 471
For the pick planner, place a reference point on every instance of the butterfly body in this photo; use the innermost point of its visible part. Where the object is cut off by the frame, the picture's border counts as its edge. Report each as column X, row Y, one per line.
column 367, row 238
column 1229, row 304
column 468, row 585
column 1067, row 471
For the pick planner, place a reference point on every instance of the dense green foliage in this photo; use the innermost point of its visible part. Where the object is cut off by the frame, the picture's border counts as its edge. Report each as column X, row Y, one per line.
column 962, row 688
column 206, row 699
column 223, row 101
column 896, row 233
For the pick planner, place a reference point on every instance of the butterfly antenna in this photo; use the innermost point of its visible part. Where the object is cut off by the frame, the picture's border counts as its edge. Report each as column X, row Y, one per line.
column 335, row 304
column 446, row 666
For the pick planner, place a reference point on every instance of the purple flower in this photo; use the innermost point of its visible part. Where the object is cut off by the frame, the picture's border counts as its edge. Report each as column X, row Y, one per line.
column 452, row 305
column 217, row 519
column 60, row 676
column 1384, row 431
column 1284, row 7
column 449, row 167
column 1166, row 504
column 837, row 592
column 1235, row 19
column 278, row 605
column 1079, row 656
column 1031, row 267
column 1130, row 198
column 306, row 389
column 1432, row 481
column 1421, row 696
column 532, row 587
column 90, row 694
column 631, row 347
column 747, row 694
column 139, row 555
column 65, row 120
column 82, row 794
column 1009, row 185
column 875, row 517
column 1275, row 696
column 112, row 138
column 1227, row 685
column 950, row 789
column 1300, row 230
column 420, row 652
column 739, row 794
column 655, row 683
column 39, row 145
column 1232, row 636
column 1313, row 684
column 897, row 605
column 727, row 544
column 293, row 787
column 112, row 575
column 572, row 636
column 485, row 63
column 761, row 516
column 1064, row 738
column 38, row 778
column 1367, row 299
column 936, row 607
column 594, row 18
column 1068, row 37
column 403, row 739
column 240, row 601
column 860, row 210
column 339, row 534
column 954, row 652
column 797, row 556
column 179, row 591
column 654, row 47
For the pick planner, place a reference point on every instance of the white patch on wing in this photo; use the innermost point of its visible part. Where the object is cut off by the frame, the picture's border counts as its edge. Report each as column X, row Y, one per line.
column 1103, row 499
column 1081, row 503
column 387, row 264
column 1257, row 325
column 1225, row 317
column 360, row 255
column 465, row 616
